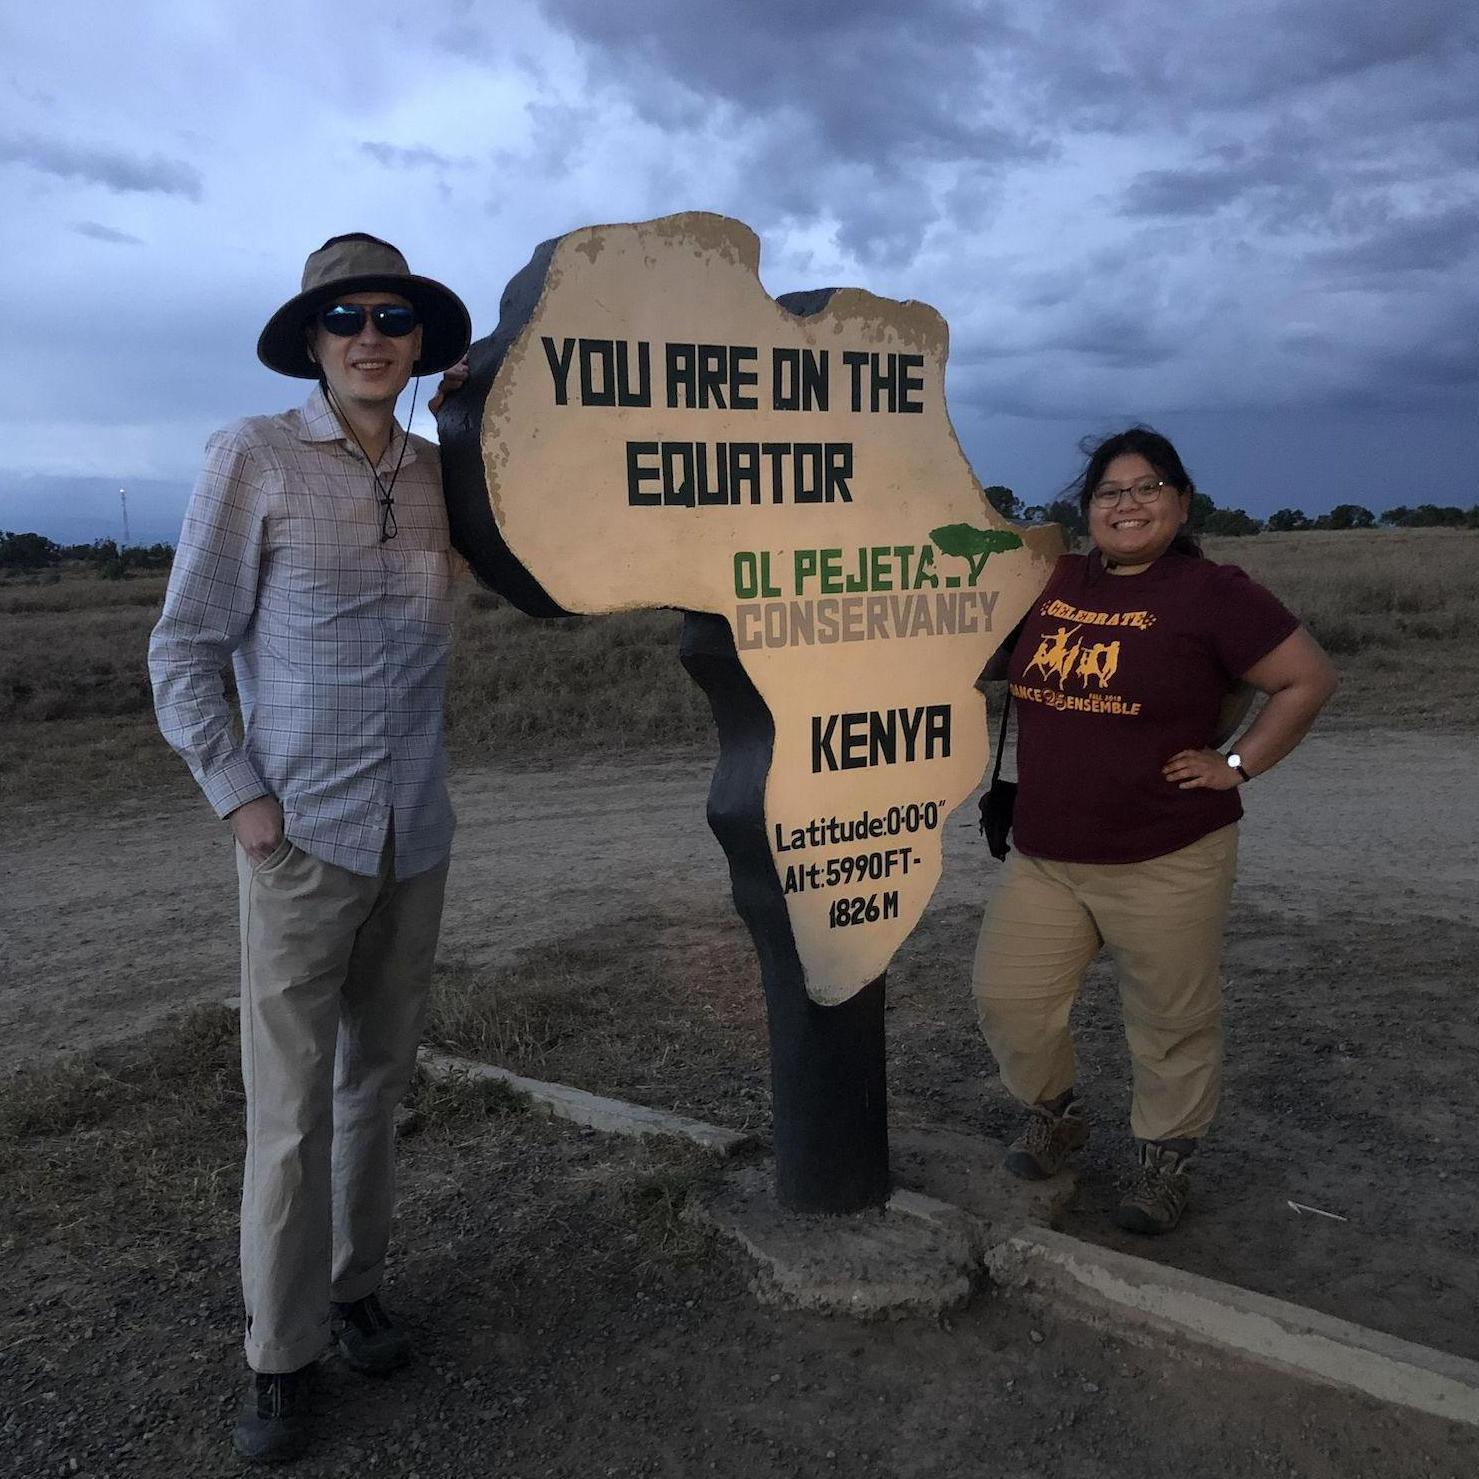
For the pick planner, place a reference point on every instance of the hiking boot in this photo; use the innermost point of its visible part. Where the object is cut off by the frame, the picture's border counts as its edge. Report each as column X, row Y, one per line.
column 1051, row 1136
column 1156, row 1195
column 368, row 1339
column 272, row 1426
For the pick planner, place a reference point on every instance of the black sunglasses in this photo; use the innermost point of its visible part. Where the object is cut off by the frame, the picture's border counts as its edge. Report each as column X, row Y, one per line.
column 394, row 320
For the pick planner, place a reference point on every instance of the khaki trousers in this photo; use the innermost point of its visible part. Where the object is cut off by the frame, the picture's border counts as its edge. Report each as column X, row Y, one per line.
column 335, row 970
column 1163, row 922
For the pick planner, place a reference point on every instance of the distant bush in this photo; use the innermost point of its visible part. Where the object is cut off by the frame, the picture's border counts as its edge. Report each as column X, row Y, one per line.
column 1286, row 521
column 1230, row 521
column 1432, row 516
column 21, row 552
column 1347, row 516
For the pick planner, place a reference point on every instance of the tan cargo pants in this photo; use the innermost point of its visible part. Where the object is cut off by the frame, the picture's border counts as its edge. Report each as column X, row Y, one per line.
column 1163, row 922
column 335, row 969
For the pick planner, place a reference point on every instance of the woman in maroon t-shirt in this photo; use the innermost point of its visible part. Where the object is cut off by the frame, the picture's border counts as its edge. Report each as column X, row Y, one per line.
column 1126, row 816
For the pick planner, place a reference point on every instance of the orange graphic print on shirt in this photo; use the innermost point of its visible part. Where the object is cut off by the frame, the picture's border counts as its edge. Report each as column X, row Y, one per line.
column 1082, row 667
column 1055, row 658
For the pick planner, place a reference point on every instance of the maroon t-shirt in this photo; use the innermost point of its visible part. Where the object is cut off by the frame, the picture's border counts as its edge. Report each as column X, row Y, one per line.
column 1111, row 676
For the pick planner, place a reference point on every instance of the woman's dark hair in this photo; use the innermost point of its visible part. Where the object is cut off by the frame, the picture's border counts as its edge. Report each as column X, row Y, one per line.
column 1155, row 449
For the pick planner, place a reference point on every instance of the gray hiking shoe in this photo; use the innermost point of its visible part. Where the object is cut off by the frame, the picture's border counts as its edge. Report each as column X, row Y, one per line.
column 368, row 1339
column 272, row 1426
column 1051, row 1136
column 1157, row 1193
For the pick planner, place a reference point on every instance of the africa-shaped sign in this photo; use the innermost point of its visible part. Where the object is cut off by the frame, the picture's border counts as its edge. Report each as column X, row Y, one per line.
column 648, row 427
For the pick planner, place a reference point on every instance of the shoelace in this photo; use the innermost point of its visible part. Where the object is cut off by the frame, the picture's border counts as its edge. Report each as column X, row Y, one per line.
column 1039, row 1134
column 1158, row 1187
column 274, row 1398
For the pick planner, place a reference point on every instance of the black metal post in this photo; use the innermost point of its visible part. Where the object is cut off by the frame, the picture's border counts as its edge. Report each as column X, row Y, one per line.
column 828, row 1077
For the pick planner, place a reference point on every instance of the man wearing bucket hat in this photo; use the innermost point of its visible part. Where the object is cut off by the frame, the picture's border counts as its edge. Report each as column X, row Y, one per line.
column 315, row 557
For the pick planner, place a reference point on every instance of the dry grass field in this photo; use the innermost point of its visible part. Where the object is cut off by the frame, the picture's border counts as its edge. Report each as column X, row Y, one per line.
column 1398, row 610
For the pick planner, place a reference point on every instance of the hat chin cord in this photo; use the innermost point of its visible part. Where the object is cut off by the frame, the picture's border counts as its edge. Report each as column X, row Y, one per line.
column 383, row 490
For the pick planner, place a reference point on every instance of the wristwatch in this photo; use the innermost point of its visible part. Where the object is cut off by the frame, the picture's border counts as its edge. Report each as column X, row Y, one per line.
column 1235, row 762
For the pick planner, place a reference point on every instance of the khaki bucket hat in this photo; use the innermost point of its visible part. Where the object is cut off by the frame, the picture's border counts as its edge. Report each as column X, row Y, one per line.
column 358, row 263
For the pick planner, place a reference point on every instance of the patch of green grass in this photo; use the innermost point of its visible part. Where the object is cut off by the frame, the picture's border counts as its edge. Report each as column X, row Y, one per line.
column 458, row 1102
column 657, row 1009
column 129, row 1143
column 656, row 1199
column 518, row 1014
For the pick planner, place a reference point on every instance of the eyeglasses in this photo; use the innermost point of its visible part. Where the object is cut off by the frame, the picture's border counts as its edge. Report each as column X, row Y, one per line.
column 1145, row 491
column 394, row 320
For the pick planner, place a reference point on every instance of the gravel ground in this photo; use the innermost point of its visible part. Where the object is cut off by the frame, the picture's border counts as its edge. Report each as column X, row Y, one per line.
column 568, row 1323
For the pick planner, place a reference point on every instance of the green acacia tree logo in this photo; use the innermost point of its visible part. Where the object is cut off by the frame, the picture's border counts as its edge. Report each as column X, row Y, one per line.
column 973, row 545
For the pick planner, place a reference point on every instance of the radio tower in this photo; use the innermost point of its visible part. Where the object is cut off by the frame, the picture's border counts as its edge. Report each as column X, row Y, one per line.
column 123, row 499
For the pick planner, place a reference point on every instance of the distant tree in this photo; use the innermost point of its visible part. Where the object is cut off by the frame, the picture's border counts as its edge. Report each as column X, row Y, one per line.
column 1004, row 501
column 1287, row 521
column 1230, row 521
column 26, row 551
column 1065, row 511
column 1433, row 516
column 1347, row 516
column 1426, row 516
column 1202, row 508
column 1471, row 519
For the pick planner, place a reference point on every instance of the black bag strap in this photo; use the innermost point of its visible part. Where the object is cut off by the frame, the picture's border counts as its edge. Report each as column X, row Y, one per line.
column 1001, row 737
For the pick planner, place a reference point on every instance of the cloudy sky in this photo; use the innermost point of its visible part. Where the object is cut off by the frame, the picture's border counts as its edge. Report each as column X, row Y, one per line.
column 1255, row 225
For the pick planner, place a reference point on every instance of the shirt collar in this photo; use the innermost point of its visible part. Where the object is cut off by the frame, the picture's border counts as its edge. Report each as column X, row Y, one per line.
column 320, row 424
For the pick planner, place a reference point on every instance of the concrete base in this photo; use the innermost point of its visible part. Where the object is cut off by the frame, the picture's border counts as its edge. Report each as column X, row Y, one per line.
column 923, row 1253
column 919, row 1258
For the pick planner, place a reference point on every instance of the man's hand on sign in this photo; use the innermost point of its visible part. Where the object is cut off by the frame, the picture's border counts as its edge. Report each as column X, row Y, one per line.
column 258, row 827
column 452, row 381
column 1206, row 770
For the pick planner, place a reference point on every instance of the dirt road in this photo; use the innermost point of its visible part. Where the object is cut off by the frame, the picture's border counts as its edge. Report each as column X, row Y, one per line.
column 110, row 921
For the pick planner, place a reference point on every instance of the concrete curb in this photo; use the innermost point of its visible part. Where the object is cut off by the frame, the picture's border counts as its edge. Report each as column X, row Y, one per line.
column 1272, row 1331
column 615, row 1116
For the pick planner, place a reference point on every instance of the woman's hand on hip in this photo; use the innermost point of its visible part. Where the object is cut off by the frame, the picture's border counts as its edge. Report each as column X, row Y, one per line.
column 1201, row 770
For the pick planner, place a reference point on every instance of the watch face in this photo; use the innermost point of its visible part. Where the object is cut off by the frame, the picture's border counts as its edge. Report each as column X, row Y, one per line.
column 1235, row 761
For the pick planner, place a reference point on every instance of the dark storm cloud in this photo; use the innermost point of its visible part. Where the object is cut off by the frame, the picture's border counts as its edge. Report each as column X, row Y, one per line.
column 113, row 168
column 1277, row 186
column 98, row 232
column 846, row 109
column 1115, row 338
column 1152, row 60
column 876, row 82
column 1444, row 360
column 1435, row 243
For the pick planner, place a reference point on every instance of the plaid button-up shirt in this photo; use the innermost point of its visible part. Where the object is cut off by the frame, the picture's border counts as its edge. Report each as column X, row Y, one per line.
column 339, row 642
